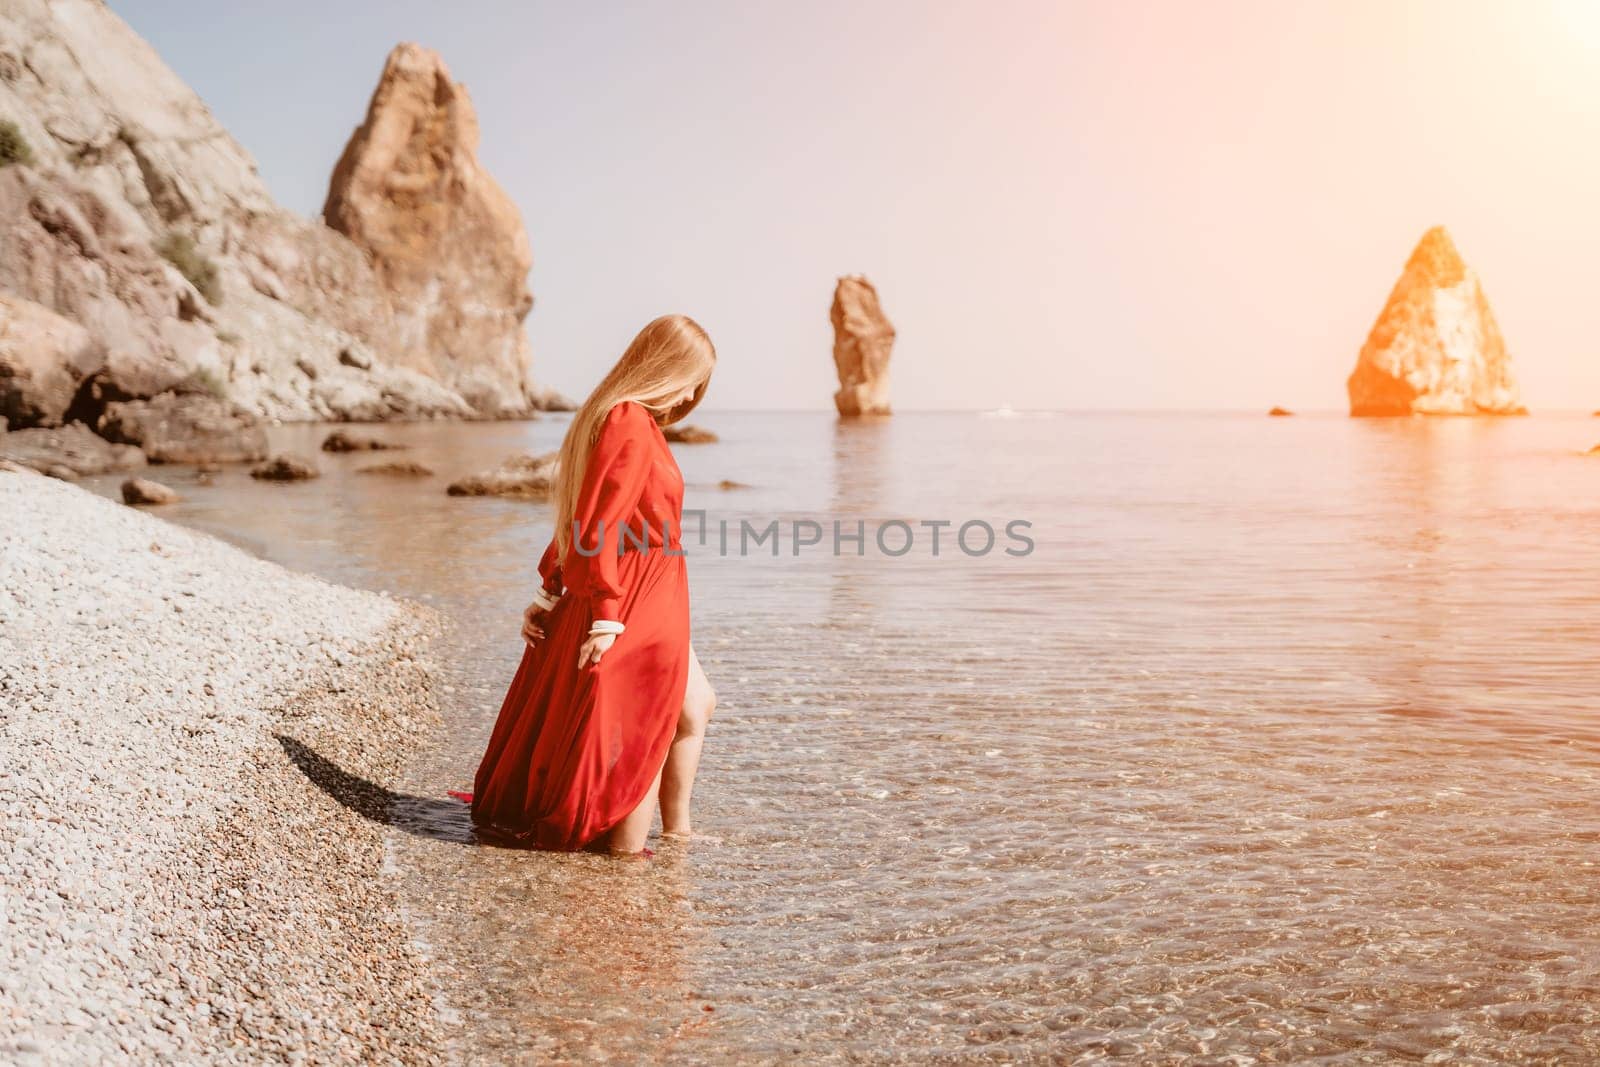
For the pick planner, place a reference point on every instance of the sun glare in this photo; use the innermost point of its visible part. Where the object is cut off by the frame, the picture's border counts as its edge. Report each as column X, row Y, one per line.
column 1580, row 21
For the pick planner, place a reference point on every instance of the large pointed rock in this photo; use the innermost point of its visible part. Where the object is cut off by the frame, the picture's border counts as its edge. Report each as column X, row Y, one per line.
column 442, row 235
column 862, row 340
column 140, row 219
column 1435, row 349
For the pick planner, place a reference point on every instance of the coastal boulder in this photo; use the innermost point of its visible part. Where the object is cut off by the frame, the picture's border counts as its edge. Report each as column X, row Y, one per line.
column 525, row 476
column 442, row 236
column 186, row 427
column 345, row 441
column 548, row 398
column 286, row 467
column 862, row 339
column 1435, row 349
column 689, row 435
column 68, row 451
column 44, row 358
column 144, row 491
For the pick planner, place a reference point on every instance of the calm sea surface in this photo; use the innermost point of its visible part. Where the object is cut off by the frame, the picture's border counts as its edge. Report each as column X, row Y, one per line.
column 1283, row 743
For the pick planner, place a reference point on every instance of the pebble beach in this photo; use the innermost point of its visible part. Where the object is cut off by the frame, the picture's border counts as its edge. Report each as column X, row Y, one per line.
column 174, row 884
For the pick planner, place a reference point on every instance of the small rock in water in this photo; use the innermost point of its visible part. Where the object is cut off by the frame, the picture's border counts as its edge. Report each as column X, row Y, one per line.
column 1279, row 412
column 341, row 441
column 144, row 491
column 398, row 468
column 286, row 467
column 524, row 475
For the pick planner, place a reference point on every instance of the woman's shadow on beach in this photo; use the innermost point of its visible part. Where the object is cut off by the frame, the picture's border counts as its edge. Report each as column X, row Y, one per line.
column 440, row 819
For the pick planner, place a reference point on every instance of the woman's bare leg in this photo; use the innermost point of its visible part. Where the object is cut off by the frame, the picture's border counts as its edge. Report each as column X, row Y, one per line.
column 683, row 759
column 629, row 835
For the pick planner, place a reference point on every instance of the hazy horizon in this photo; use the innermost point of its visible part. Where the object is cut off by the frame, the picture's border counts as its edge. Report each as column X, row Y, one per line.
column 1066, row 207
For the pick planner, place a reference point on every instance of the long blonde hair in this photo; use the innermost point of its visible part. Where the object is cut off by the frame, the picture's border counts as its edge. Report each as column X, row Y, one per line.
column 669, row 355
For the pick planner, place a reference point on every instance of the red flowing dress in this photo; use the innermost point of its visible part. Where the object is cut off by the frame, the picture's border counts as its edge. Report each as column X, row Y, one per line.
column 575, row 751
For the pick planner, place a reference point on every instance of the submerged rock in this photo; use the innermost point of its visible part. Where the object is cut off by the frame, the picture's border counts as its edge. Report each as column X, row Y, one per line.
column 689, row 435
column 526, row 476
column 144, row 491
column 862, row 340
column 68, row 451
column 1435, row 349
column 442, row 235
column 286, row 467
column 344, row 441
column 44, row 358
column 186, row 427
column 403, row 468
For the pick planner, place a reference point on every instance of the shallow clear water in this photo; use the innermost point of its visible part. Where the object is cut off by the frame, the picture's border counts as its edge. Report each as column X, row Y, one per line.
column 1281, row 744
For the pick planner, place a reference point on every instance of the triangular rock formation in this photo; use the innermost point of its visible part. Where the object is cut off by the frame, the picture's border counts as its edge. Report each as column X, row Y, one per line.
column 1435, row 349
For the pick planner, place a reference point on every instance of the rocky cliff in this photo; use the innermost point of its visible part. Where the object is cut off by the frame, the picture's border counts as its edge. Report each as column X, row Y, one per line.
column 1435, row 349
column 136, row 216
column 862, row 340
column 443, row 237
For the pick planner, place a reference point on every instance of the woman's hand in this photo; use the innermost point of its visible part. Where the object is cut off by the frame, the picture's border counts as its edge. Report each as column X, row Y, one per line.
column 533, row 624
column 594, row 648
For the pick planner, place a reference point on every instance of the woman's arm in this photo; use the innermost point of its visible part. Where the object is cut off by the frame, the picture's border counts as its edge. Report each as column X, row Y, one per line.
column 613, row 482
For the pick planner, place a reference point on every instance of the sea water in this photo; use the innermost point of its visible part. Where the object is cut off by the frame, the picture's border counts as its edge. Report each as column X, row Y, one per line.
column 1278, row 740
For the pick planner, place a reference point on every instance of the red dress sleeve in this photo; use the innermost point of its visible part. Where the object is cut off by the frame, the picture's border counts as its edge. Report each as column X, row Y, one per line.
column 550, row 569
column 613, row 482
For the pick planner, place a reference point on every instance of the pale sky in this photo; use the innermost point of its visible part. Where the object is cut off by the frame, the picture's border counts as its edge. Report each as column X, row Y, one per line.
column 1071, row 205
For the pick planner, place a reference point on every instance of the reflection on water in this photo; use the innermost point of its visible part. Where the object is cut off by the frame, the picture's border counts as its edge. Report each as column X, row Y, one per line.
column 1280, row 745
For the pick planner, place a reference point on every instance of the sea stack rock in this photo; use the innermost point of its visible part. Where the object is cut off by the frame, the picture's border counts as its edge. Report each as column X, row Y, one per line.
column 1435, row 349
column 443, row 236
column 862, row 339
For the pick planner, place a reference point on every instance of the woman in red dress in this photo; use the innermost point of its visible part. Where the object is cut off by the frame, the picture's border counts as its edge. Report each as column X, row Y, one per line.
column 609, row 705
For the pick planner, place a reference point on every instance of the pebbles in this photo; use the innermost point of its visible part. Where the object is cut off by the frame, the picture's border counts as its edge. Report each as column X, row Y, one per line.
column 172, row 887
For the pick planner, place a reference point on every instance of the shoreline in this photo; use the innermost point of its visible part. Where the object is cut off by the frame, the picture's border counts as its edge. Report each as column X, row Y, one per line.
column 173, row 883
